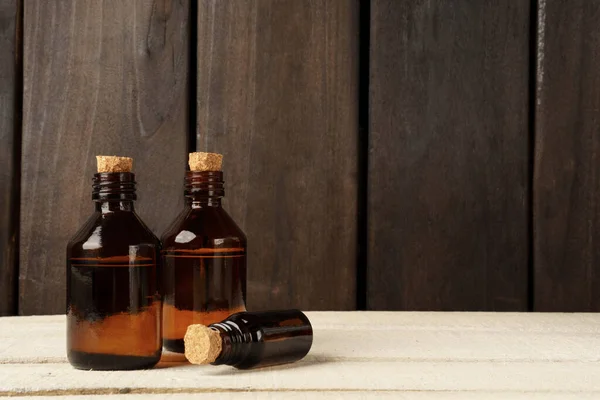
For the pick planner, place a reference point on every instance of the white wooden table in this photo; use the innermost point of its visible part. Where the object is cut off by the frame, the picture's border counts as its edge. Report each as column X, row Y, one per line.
column 355, row 355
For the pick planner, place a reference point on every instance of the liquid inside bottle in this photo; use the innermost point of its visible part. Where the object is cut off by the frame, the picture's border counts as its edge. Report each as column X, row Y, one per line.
column 207, row 287
column 113, row 303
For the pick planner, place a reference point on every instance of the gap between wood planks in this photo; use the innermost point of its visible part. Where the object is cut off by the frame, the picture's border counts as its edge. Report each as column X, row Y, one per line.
column 113, row 391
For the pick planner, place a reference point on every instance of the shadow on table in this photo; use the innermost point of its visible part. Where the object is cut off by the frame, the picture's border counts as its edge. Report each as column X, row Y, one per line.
column 309, row 361
column 172, row 360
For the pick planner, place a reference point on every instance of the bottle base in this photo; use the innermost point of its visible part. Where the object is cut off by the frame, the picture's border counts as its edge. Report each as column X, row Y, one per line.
column 111, row 362
column 174, row 345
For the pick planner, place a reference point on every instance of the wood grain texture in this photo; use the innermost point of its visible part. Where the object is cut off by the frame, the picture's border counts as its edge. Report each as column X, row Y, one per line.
column 362, row 375
column 539, row 355
column 101, row 77
column 567, row 157
column 278, row 96
column 448, row 155
column 328, row 395
column 10, row 135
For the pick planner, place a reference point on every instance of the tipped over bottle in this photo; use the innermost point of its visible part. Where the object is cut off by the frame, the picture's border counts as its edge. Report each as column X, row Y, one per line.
column 251, row 340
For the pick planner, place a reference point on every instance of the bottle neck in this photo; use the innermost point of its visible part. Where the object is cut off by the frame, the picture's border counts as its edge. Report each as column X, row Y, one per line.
column 235, row 342
column 114, row 191
column 204, row 188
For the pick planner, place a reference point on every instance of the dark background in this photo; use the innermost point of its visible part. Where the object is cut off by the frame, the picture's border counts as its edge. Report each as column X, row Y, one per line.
column 380, row 155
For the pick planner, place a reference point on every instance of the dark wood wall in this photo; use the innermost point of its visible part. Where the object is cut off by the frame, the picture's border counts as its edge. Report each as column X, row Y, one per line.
column 566, row 183
column 379, row 154
column 278, row 96
column 10, row 127
column 448, row 155
column 99, row 78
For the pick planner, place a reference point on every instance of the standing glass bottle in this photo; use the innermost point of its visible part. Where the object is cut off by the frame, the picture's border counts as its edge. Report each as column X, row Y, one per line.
column 204, row 256
column 113, row 302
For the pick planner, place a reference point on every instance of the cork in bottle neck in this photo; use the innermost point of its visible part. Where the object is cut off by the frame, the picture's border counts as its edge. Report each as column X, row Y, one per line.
column 204, row 188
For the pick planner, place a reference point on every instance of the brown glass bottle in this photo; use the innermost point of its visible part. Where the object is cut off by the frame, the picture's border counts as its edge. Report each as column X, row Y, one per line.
column 204, row 258
column 113, row 302
column 261, row 339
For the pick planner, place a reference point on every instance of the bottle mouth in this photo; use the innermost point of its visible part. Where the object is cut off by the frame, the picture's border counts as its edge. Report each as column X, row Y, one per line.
column 204, row 184
column 113, row 186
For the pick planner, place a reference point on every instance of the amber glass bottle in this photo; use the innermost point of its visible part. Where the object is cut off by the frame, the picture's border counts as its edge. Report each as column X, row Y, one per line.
column 204, row 258
column 251, row 339
column 113, row 302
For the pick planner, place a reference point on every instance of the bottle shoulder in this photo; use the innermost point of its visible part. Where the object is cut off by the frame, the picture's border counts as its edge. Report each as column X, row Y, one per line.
column 84, row 232
column 112, row 234
column 203, row 227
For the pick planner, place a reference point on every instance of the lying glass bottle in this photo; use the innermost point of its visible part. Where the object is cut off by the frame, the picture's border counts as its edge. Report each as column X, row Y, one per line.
column 251, row 339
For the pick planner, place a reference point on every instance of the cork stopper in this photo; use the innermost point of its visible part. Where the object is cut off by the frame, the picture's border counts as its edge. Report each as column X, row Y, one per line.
column 200, row 161
column 202, row 344
column 114, row 164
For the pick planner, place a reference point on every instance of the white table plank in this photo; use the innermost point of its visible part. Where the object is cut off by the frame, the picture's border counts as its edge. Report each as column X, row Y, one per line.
column 340, row 396
column 419, row 355
column 333, row 376
column 356, row 335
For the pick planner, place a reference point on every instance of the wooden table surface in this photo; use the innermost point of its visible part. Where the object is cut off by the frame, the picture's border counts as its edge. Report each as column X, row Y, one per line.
column 355, row 355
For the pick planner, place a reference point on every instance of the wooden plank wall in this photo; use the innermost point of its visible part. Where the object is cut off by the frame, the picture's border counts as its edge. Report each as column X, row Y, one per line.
column 448, row 155
column 278, row 96
column 10, row 88
column 483, row 131
column 100, row 77
column 566, row 183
